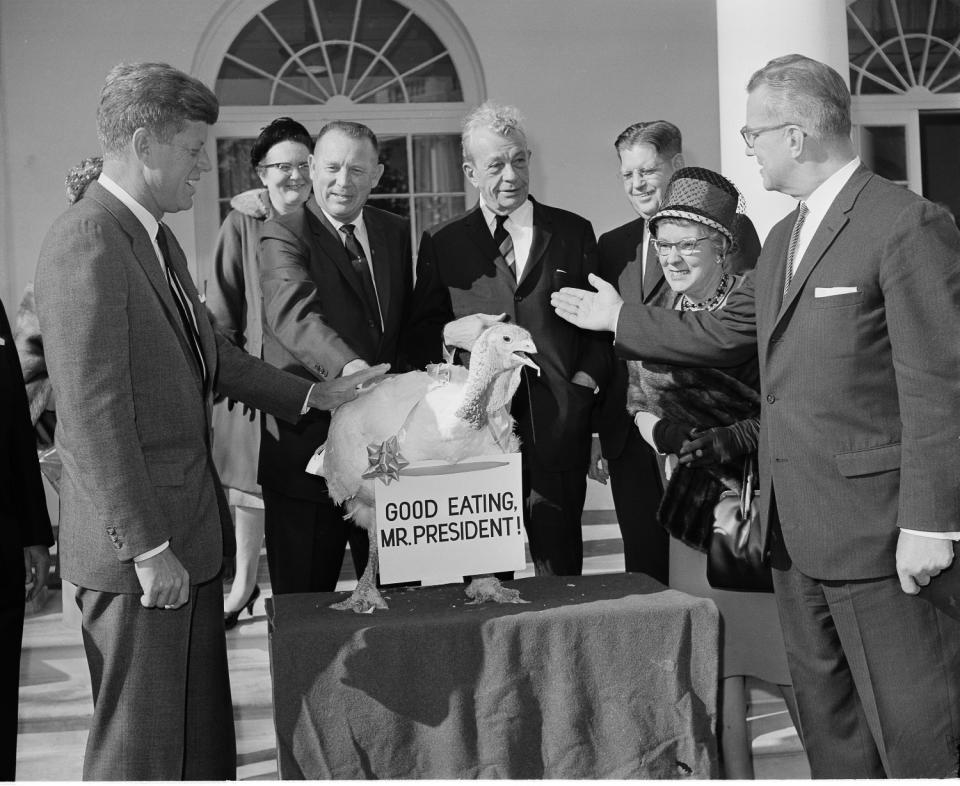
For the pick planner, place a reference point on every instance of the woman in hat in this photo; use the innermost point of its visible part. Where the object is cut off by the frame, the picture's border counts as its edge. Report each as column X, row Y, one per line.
column 279, row 159
column 710, row 418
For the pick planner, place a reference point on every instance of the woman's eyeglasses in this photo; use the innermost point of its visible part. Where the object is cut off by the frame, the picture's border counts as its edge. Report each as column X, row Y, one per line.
column 286, row 167
column 686, row 247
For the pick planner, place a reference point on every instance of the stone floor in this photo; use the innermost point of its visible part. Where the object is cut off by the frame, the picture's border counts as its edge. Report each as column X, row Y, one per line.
column 55, row 704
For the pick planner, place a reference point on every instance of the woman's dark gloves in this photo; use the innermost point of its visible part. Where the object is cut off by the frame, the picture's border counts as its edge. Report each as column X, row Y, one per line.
column 721, row 444
column 669, row 436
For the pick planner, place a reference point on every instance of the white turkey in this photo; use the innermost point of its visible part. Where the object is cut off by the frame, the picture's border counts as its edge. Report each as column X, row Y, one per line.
column 446, row 413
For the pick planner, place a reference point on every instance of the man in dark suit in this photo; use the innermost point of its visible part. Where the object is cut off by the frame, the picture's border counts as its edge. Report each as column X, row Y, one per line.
column 28, row 535
column 855, row 310
column 505, row 256
column 649, row 153
column 335, row 278
column 135, row 363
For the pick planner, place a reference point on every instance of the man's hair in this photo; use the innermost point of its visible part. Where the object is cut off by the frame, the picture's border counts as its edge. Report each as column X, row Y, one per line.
column 154, row 96
column 662, row 135
column 352, row 130
column 500, row 118
column 808, row 92
column 283, row 129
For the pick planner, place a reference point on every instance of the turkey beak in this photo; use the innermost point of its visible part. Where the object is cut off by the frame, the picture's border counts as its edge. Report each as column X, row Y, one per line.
column 520, row 352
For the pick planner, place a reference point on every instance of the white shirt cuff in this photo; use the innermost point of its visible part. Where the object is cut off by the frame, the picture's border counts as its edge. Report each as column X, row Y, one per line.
column 153, row 552
column 306, row 401
column 935, row 535
column 645, row 422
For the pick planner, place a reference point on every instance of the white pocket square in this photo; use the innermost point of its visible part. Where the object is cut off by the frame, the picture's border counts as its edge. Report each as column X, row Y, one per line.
column 833, row 291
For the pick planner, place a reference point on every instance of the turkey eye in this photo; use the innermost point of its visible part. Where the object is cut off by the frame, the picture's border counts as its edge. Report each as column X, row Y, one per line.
column 507, row 339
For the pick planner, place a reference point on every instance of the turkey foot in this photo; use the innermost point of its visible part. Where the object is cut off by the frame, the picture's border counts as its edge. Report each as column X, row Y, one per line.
column 363, row 601
column 484, row 588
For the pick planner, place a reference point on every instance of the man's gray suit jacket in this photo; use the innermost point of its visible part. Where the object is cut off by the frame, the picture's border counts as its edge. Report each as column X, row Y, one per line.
column 133, row 411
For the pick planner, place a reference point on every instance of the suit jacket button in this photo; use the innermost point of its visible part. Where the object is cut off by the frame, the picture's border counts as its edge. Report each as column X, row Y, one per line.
column 517, row 298
column 321, row 371
column 771, row 398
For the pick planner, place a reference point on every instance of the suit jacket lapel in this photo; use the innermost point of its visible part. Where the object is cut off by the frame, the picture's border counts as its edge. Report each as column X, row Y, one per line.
column 477, row 227
column 380, row 259
column 142, row 247
column 542, row 232
column 330, row 242
column 833, row 223
column 208, row 344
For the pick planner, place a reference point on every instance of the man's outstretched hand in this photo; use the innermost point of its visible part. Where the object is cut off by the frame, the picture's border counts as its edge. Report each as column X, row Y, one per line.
column 589, row 310
column 331, row 393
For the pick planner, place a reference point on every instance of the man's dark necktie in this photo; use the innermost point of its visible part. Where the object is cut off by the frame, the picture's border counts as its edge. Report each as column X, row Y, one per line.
column 182, row 302
column 505, row 244
column 651, row 268
column 792, row 248
column 359, row 261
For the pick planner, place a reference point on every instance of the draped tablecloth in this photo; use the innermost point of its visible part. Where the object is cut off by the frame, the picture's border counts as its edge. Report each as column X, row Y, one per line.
column 611, row 676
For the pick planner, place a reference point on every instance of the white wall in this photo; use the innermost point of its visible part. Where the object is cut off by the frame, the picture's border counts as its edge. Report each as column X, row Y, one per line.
column 580, row 70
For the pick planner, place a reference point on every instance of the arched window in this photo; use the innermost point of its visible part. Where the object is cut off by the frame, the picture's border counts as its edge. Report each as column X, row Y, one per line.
column 905, row 81
column 904, row 46
column 406, row 68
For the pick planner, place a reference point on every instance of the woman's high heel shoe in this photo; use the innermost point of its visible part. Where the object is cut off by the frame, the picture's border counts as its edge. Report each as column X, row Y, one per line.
column 230, row 618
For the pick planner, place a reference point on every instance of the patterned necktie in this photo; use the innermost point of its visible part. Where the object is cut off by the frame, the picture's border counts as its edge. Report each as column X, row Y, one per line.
column 792, row 248
column 505, row 244
column 358, row 260
column 182, row 302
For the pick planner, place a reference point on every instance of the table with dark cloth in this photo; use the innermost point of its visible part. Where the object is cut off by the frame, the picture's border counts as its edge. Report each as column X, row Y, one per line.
column 611, row 676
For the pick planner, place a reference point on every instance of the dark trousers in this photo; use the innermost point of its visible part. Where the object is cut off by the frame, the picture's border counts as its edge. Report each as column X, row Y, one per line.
column 876, row 674
column 553, row 506
column 306, row 541
column 161, row 688
column 11, row 631
column 636, row 486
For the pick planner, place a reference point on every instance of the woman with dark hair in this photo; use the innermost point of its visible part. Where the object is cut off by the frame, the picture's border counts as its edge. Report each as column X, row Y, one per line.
column 280, row 158
column 710, row 419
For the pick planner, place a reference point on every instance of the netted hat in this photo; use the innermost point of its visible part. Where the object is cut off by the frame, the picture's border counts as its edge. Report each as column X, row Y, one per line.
column 81, row 176
column 701, row 195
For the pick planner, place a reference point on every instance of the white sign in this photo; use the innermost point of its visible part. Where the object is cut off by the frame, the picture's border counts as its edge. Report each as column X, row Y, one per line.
column 441, row 522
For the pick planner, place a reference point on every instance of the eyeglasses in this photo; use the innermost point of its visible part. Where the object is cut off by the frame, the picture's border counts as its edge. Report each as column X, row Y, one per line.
column 750, row 134
column 643, row 174
column 286, row 167
column 686, row 247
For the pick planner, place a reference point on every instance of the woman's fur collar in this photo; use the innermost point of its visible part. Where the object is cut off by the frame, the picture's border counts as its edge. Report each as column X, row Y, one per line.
column 254, row 203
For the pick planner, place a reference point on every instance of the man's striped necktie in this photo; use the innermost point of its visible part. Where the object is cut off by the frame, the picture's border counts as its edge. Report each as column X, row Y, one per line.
column 505, row 243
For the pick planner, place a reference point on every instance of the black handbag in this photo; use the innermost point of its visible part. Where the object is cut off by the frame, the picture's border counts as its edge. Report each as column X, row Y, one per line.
column 736, row 557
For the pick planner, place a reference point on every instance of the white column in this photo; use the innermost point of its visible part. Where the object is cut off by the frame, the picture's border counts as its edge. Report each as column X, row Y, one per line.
column 749, row 34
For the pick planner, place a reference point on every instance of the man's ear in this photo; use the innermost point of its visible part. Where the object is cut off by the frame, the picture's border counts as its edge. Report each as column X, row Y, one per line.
column 677, row 162
column 796, row 138
column 378, row 173
column 470, row 172
column 143, row 144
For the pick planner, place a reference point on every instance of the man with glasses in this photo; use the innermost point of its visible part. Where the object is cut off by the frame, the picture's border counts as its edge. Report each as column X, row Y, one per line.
column 855, row 310
column 335, row 278
column 648, row 153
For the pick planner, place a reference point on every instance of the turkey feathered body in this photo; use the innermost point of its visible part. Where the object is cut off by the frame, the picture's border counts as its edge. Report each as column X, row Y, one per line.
column 423, row 410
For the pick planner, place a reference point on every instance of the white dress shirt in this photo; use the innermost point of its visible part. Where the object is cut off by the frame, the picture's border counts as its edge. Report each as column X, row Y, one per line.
column 818, row 203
